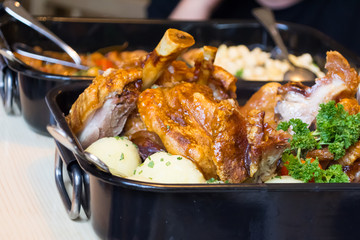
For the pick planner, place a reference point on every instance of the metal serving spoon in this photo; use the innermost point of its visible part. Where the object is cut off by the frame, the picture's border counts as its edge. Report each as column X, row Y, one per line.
column 61, row 136
column 17, row 11
column 299, row 74
column 27, row 51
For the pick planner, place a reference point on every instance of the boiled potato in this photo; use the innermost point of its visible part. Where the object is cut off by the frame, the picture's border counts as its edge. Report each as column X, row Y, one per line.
column 284, row 179
column 118, row 153
column 163, row 167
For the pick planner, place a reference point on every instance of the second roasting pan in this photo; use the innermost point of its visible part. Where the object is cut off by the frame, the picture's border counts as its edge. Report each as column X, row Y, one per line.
column 25, row 88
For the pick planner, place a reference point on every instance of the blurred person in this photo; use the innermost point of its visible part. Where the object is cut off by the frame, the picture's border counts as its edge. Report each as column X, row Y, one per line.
column 336, row 18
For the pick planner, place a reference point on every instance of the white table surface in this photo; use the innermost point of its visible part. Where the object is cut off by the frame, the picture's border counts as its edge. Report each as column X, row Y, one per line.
column 30, row 205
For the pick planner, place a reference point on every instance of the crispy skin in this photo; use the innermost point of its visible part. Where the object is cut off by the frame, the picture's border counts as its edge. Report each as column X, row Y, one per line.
column 351, row 105
column 340, row 81
column 191, row 56
column 204, row 64
column 264, row 100
column 147, row 142
column 339, row 68
column 353, row 171
column 165, row 111
column 102, row 88
column 176, row 73
column 222, row 83
column 128, row 59
column 190, row 122
column 266, row 146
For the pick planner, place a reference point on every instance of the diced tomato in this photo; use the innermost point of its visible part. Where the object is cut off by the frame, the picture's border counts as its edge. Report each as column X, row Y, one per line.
column 284, row 171
column 104, row 63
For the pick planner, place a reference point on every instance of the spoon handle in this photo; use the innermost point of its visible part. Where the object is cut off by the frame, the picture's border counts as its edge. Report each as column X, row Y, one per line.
column 266, row 17
column 17, row 11
column 26, row 51
column 62, row 137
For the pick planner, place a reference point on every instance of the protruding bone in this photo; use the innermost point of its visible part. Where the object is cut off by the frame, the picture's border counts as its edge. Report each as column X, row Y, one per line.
column 173, row 43
column 204, row 65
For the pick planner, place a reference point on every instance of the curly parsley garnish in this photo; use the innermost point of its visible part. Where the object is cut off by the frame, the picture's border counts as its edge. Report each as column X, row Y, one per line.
column 309, row 170
column 336, row 129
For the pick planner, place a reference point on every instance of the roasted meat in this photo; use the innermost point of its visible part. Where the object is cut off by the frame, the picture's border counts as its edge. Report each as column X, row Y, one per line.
column 127, row 59
column 264, row 100
column 213, row 133
column 266, row 146
column 166, row 111
column 147, row 142
column 341, row 81
column 222, row 83
column 296, row 100
column 102, row 109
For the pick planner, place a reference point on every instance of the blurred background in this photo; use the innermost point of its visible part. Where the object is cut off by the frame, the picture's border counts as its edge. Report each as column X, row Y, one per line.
column 87, row 8
column 336, row 18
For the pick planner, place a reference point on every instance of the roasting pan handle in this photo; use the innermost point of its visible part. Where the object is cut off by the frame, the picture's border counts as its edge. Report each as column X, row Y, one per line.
column 79, row 182
column 9, row 91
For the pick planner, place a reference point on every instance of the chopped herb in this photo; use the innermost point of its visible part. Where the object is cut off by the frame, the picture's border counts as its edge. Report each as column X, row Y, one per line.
column 162, row 159
column 278, row 177
column 150, row 178
column 126, row 144
column 239, row 73
column 167, row 127
column 213, row 180
column 179, row 158
column 167, row 163
column 117, row 137
column 134, row 171
column 151, row 164
column 122, row 156
column 140, row 172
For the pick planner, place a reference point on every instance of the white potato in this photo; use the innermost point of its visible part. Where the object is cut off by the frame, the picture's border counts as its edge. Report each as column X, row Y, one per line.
column 118, row 153
column 284, row 179
column 162, row 167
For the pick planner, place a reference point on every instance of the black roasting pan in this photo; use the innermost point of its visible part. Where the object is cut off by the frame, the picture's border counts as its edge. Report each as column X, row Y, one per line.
column 24, row 89
column 119, row 208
